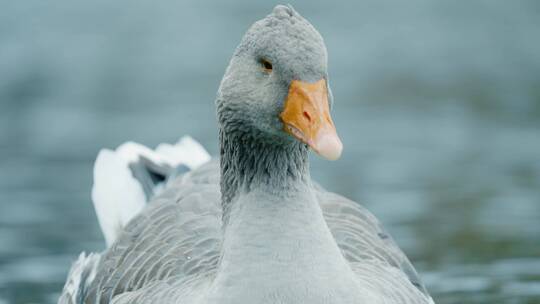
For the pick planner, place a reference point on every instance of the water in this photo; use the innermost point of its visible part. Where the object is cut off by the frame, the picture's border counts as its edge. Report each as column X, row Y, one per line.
column 437, row 103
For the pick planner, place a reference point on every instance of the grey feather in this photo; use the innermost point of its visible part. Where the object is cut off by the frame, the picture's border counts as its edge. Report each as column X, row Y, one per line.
column 176, row 240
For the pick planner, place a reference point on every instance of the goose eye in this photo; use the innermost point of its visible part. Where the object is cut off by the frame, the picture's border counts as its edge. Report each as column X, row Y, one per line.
column 267, row 65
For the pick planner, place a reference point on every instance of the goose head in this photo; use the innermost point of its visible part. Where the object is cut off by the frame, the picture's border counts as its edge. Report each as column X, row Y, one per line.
column 276, row 85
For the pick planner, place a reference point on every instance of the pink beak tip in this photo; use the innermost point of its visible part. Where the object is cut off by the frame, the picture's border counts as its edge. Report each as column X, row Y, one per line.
column 329, row 146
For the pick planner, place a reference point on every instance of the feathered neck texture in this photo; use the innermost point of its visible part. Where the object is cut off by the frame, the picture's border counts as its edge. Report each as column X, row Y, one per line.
column 253, row 160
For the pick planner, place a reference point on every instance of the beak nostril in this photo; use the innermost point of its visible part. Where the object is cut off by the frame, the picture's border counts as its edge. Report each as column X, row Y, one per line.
column 306, row 115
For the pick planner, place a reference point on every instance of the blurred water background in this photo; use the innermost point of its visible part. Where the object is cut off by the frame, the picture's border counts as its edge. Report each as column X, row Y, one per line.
column 437, row 102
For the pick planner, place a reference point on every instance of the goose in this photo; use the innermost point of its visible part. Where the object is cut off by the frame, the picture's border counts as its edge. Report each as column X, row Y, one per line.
column 250, row 226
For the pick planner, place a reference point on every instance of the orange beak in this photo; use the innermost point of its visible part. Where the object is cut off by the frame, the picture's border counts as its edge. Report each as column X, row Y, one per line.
column 306, row 116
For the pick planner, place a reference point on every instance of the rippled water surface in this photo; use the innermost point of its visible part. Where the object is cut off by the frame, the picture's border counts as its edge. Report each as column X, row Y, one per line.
column 438, row 105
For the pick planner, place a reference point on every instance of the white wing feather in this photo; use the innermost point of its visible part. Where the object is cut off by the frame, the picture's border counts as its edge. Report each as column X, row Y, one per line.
column 117, row 194
column 81, row 274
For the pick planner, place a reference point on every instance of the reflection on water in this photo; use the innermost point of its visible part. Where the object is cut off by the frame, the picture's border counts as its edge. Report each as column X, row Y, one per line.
column 438, row 105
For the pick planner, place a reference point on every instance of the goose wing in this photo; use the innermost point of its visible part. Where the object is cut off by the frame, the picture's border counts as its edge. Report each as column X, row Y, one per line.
column 370, row 250
column 175, row 238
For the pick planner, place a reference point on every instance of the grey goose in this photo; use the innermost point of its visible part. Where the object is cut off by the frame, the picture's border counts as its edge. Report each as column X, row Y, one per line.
column 250, row 226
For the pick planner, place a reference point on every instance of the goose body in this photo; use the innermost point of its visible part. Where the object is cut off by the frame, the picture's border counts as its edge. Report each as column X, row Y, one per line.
column 250, row 226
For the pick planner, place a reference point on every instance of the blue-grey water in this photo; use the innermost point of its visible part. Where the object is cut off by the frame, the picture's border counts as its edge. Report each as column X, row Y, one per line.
column 437, row 103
